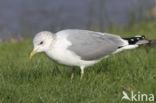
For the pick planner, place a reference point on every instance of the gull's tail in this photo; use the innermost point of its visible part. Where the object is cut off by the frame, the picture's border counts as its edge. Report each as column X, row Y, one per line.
column 133, row 42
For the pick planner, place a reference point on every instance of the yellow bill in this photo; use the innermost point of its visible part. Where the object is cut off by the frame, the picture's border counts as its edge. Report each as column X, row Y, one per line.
column 32, row 54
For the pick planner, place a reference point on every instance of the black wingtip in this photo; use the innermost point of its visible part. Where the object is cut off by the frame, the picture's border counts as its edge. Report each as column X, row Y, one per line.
column 134, row 40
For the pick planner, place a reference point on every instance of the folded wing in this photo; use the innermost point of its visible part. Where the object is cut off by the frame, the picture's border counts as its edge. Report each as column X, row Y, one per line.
column 91, row 45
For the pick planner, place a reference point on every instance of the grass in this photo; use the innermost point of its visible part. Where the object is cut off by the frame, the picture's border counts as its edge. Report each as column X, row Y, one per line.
column 40, row 80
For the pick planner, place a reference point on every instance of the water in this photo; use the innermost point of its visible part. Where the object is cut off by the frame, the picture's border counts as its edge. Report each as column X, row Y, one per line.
column 23, row 17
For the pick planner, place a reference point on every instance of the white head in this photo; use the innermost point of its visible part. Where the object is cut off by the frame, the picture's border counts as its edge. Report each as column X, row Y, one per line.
column 42, row 42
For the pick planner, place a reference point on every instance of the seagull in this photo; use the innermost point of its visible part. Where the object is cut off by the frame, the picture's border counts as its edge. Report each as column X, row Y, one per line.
column 82, row 48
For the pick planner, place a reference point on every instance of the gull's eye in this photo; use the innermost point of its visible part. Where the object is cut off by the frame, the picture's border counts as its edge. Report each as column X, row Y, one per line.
column 41, row 42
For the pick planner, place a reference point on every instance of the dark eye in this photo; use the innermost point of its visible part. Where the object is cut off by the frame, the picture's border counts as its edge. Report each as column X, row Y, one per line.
column 41, row 42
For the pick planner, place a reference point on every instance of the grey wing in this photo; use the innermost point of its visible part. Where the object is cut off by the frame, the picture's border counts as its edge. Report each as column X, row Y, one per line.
column 91, row 45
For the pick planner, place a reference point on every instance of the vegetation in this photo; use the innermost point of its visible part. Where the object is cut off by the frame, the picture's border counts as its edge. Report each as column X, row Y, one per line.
column 40, row 80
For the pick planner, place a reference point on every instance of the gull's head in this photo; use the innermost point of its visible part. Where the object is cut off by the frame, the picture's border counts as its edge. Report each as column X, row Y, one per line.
column 42, row 42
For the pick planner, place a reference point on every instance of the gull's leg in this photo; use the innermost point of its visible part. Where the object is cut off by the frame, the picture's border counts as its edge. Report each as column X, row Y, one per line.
column 82, row 71
column 72, row 75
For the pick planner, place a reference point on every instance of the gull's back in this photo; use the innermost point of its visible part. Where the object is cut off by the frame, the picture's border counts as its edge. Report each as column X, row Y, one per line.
column 91, row 45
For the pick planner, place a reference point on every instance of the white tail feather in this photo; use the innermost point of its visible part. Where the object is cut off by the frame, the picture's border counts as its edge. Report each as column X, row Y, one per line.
column 127, row 47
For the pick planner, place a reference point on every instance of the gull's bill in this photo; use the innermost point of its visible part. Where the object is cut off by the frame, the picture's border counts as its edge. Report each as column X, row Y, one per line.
column 32, row 54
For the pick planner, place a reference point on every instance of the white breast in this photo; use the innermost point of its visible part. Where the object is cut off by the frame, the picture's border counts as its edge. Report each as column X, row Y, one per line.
column 61, row 54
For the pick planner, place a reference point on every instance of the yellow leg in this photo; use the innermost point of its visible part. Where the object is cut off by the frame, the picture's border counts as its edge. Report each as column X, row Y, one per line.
column 72, row 75
column 82, row 73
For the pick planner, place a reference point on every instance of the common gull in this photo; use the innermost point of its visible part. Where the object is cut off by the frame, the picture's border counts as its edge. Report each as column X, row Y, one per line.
column 82, row 48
